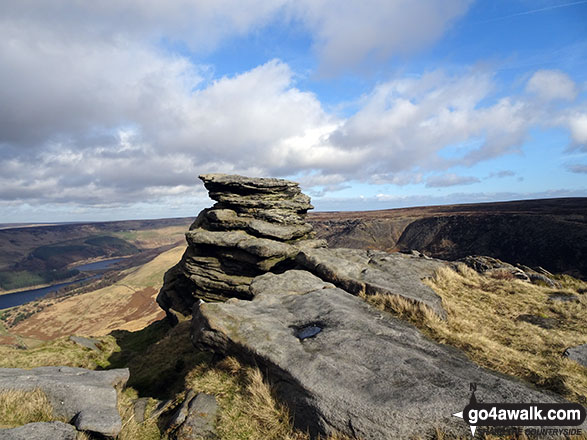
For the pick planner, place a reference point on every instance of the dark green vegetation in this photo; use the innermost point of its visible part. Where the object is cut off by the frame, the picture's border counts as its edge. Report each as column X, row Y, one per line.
column 40, row 255
column 16, row 279
column 551, row 233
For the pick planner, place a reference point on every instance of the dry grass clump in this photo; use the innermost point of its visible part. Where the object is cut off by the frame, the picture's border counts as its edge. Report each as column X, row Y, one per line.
column 131, row 429
column 21, row 407
column 248, row 409
column 59, row 352
column 482, row 314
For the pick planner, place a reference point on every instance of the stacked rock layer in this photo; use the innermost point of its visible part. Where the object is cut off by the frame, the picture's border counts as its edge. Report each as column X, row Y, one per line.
column 257, row 225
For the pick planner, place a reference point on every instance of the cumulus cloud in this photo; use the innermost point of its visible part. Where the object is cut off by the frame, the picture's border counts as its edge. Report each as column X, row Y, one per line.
column 162, row 138
column 346, row 33
column 450, row 179
column 552, row 84
column 371, row 28
column 406, row 123
column 97, row 111
column 578, row 126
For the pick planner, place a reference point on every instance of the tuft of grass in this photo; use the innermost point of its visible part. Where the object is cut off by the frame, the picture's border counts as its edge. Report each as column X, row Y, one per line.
column 59, row 352
column 247, row 406
column 481, row 321
column 21, row 407
column 131, row 429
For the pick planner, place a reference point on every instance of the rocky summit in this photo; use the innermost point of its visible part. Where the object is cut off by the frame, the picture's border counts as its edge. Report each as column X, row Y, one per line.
column 259, row 286
column 257, row 225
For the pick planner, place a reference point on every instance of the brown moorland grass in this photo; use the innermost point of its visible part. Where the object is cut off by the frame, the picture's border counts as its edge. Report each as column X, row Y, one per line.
column 482, row 314
column 59, row 352
column 19, row 407
column 128, row 304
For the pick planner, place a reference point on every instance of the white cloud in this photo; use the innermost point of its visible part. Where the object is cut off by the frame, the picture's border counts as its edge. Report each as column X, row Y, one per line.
column 252, row 123
column 95, row 111
column 450, row 179
column 407, row 123
column 552, row 84
column 578, row 127
column 346, row 33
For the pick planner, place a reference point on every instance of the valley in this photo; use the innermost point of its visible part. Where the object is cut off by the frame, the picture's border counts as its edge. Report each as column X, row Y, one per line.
column 39, row 256
column 551, row 233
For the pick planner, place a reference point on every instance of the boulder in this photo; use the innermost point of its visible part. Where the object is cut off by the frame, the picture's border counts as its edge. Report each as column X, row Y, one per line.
column 140, row 408
column 90, row 343
column 494, row 267
column 181, row 413
column 578, row 354
column 86, row 397
column 200, row 419
column 342, row 365
column 371, row 272
column 539, row 321
column 40, row 431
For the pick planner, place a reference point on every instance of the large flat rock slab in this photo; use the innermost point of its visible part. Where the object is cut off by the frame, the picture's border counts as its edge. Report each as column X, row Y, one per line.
column 370, row 272
column 86, row 397
column 342, row 365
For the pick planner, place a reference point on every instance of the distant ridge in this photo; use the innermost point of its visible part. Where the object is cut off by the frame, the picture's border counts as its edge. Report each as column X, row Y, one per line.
column 551, row 233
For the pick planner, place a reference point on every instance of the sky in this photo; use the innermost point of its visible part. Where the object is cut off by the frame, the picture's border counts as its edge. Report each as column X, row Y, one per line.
column 110, row 110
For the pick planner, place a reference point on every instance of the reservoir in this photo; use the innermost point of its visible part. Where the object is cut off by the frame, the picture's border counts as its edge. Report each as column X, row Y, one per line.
column 24, row 296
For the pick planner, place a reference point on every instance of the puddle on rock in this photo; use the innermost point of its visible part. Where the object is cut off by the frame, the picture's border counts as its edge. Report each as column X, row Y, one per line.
column 307, row 331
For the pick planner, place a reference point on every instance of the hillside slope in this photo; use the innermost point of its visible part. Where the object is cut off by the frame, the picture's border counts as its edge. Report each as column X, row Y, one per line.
column 129, row 304
column 551, row 233
column 40, row 255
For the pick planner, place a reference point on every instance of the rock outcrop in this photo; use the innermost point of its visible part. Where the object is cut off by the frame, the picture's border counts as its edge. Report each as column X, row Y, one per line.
column 40, row 431
column 494, row 267
column 342, row 365
column 578, row 354
column 256, row 225
column 285, row 302
column 371, row 272
column 85, row 397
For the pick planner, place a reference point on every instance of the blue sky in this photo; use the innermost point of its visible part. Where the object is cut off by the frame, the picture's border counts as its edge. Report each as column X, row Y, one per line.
column 111, row 109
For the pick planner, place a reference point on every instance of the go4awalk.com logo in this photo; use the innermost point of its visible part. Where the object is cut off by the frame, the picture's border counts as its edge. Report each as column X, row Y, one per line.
column 502, row 415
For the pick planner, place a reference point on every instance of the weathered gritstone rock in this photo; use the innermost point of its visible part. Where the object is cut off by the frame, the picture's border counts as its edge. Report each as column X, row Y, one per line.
column 87, row 397
column 40, row 431
column 274, row 200
column 200, row 419
column 578, row 354
column 256, row 226
column 370, row 272
column 341, row 365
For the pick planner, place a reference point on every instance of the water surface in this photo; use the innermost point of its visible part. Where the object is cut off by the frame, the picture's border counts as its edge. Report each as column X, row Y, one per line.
column 25, row 296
